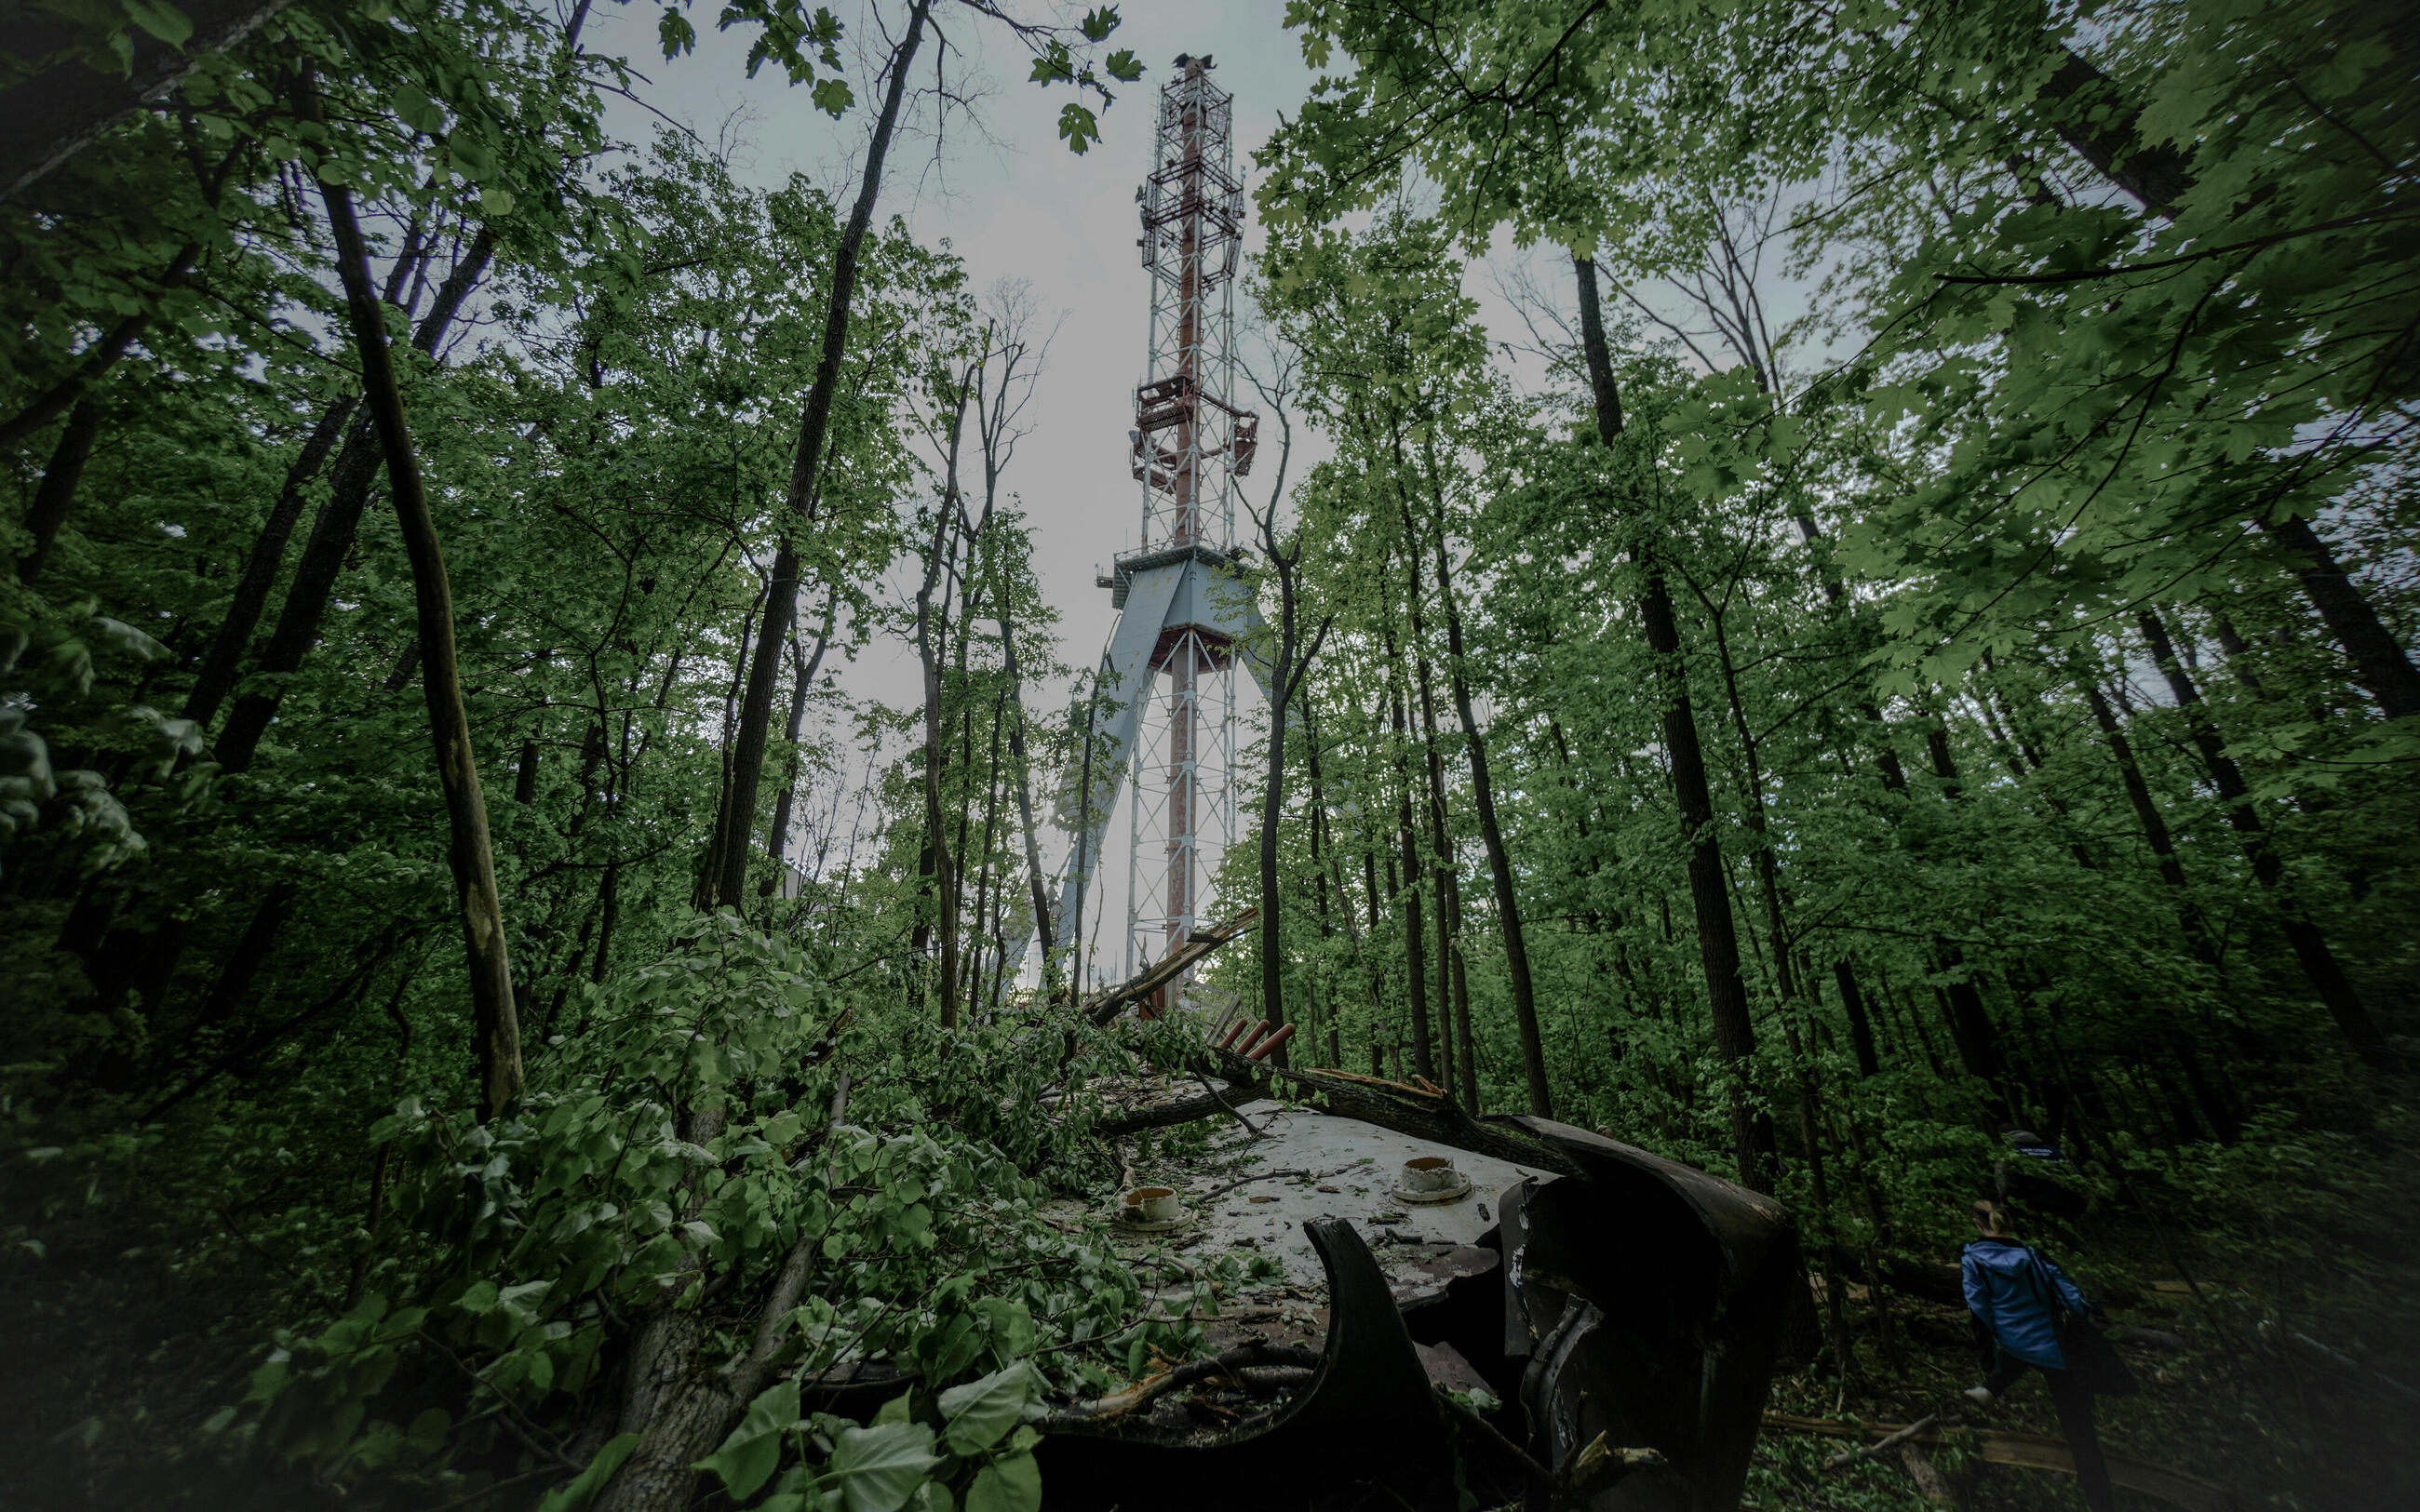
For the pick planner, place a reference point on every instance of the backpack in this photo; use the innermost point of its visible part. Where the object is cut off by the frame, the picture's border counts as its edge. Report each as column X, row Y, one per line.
column 2092, row 1360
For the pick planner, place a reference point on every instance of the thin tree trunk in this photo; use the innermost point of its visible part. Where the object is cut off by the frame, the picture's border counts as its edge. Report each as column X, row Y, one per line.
column 725, row 833
column 781, row 605
column 216, row 678
column 1441, row 867
column 244, row 960
column 2380, row 662
column 802, row 683
column 1861, row 1028
column 2310, row 945
column 2154, row 826
column 1491, row 832
column 1970, row 1022
column 1415, row 947
column 1036, row 884
column 333, row 529
column 57, row 489
column 985, row 869
column 98, row 359
column 471, row 855
column 1291, row 661
column 937, row 845
column 1717, row 942
column 49, row 117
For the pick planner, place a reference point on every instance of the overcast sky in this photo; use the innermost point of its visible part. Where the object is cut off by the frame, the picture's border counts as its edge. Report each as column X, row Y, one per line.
column 1006, row 193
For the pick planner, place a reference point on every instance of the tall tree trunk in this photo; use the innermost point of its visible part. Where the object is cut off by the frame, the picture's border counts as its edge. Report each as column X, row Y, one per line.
column 54, row 114
column 2154, row 826
column 244, row 962
column 1491, row 830
column 983, row 868
column 470, row 855
column 1293, row 659
column 216, row 678
column 1415, row 946
column 2380, row 662
column 333, row 529
column 98, row 359
column 1861, row 1028
column 709, row 872
column 1970, row 1022
column 781, row 605
column 2310, row 945
column 58, row 489
column 1717, row 941
column 802, row 682
column 1037, row 886
column 928, row 651
column 1441, row 866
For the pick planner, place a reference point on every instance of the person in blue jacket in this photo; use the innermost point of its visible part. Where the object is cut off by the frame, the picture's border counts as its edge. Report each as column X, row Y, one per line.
column 2009, row 1289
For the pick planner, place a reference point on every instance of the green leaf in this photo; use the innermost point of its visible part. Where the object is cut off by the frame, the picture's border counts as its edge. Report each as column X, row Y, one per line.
column 1078, row 127
column 750, row 1455
column 1010, row 1484
column 1054, row 64
column 1097, row 24
column 585, row 1485
column 977, row 1414
column 165, row 21
column 1124, row 66
column 878, row 1468
column 674, row 32
column 832, row 96
column 413, row 107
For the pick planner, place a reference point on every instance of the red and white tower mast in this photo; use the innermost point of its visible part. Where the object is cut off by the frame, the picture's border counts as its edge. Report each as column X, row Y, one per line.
column 1170, row 660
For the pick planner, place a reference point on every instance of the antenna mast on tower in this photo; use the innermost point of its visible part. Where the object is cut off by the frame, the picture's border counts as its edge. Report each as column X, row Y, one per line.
column 1171, row 661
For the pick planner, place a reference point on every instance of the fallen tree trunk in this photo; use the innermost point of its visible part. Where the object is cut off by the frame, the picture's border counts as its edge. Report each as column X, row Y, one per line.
column 1107, row 1005
column 1254, row 1352
column 1184, row 1110
column 2032, row 1450
column 1404, row 1110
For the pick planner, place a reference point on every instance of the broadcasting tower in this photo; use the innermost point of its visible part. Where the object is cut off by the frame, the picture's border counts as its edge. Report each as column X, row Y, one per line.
column 1163, row 717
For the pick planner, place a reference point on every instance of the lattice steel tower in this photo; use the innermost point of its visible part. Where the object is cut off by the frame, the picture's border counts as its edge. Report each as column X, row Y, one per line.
column 1167, row 719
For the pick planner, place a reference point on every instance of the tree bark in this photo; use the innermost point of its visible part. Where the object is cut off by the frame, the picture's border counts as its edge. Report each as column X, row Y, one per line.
column 471, row 855
column 58, row 489
column 2154, row 826
column 1283, row 674
column 59, row 111
column 1708, row 895
column 2310, row 945
column 2380, row 662
column 802, row 683
column 1037, row 885
column 98, row 359
column 781, row 604
column 333, row 529
column 1415, row 946
column 937, row 564
column 1491, row 830
column 2154, row 175
column 251, row 949
column 1441, row 849
column 1861, row 1028
column 216, row 678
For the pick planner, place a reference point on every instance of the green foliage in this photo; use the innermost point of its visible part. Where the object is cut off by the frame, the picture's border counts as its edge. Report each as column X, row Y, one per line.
column 522, row 1245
